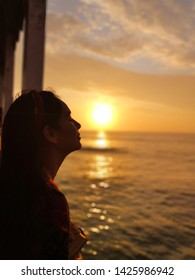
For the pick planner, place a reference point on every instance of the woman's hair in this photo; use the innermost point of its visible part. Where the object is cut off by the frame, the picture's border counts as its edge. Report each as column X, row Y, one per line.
column 20, row 172
column 22, row 128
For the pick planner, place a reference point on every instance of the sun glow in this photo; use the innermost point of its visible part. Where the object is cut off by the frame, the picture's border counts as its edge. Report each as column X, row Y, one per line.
column 102, row 114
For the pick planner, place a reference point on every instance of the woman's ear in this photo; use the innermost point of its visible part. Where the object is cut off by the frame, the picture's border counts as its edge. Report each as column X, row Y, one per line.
column 50, row 134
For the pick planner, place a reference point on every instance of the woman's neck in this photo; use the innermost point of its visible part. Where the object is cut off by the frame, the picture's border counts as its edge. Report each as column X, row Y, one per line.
column 51, row 162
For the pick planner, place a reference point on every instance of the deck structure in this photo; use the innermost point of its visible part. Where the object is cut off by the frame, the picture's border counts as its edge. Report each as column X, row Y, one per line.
column 29, row 16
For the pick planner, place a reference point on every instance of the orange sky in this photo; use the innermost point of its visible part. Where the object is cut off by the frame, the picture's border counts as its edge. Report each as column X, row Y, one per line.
column 137, row 58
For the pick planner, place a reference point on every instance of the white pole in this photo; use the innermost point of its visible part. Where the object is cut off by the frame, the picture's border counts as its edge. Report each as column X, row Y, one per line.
column 34, row 41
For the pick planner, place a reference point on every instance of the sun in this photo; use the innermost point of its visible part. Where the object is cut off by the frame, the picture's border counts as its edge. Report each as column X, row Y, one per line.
column 102, row 114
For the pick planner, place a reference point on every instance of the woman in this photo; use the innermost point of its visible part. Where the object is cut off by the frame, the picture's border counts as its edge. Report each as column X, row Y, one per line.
column 38, row 133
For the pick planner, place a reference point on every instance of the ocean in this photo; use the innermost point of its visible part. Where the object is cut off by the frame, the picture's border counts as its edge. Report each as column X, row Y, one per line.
column 133, row 194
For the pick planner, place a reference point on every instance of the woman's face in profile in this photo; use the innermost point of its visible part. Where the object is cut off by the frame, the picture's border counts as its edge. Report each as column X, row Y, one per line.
column 68, row 131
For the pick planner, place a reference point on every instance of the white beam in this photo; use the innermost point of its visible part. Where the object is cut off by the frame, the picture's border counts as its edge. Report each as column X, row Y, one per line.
column 34, row 41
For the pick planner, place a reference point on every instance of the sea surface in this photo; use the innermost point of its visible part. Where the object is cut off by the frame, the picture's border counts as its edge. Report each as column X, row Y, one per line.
column 133, row 194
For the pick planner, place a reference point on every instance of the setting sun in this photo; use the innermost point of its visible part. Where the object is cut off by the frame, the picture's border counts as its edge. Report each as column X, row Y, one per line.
column 102, row 114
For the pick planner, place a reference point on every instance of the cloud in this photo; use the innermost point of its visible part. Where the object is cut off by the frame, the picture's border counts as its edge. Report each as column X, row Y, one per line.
column 123, row 29
column 62, row 32
column 81, row 74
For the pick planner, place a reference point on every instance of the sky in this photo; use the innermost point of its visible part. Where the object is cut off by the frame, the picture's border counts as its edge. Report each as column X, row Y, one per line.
column 136, row 56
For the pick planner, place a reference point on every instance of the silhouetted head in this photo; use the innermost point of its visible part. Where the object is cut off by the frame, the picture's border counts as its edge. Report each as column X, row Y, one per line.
column 21, row 132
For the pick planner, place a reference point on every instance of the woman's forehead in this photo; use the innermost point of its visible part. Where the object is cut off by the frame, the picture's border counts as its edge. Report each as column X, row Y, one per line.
column 65, row 109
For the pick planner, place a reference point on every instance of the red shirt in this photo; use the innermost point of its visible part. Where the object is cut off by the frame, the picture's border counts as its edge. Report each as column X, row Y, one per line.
column 50, row 226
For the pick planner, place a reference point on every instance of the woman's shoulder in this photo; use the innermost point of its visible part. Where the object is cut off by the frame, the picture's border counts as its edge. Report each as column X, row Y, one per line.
column 58, row 197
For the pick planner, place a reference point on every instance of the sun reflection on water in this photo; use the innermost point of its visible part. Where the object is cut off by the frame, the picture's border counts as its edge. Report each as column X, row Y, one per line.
column 101, row 142
column 101, row 217
column 100, row 173
column 101, row 168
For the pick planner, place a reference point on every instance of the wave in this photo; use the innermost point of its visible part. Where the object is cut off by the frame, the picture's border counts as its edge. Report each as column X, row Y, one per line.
column 104, row 150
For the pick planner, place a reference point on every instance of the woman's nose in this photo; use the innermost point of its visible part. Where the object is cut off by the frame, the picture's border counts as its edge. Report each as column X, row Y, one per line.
column 78, row 125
